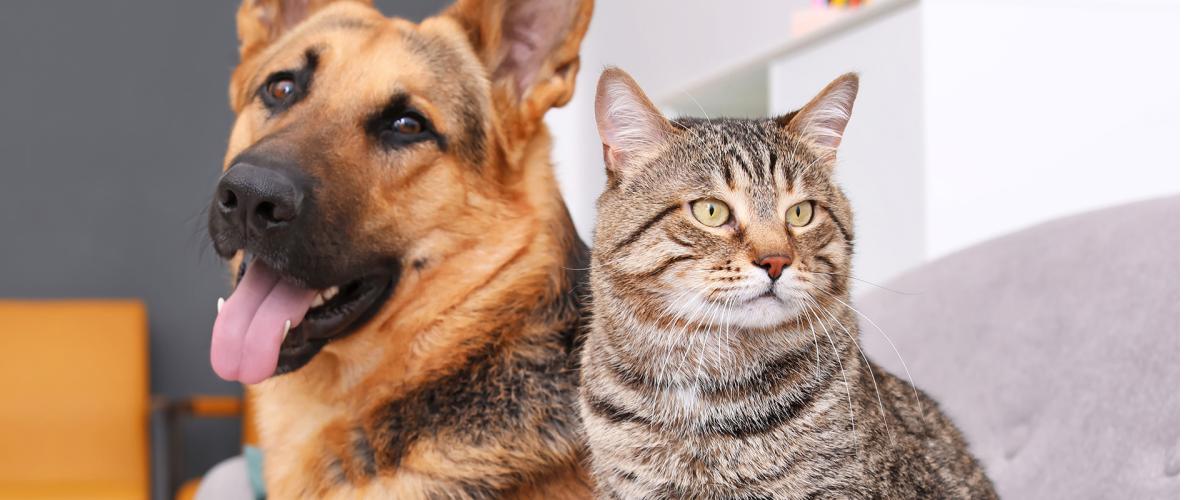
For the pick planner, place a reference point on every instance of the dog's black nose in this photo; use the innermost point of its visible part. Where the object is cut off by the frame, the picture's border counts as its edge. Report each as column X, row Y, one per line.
column 258, row 198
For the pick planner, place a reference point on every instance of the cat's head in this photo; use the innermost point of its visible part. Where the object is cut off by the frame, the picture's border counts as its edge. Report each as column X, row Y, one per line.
column 725, row 222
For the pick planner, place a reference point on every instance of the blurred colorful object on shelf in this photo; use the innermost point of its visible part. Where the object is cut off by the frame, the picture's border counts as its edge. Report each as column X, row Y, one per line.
column 821, row 4
column 821, row 13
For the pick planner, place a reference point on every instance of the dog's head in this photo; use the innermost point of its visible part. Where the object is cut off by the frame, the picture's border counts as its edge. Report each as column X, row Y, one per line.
column 365, row 147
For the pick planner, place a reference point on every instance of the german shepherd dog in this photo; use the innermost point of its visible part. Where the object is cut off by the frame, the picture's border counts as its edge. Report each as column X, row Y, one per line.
column 406, row 305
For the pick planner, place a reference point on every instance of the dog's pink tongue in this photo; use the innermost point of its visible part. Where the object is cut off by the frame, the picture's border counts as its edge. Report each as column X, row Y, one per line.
column 249, row 327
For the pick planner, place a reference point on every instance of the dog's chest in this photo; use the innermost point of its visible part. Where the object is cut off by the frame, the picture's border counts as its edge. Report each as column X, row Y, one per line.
column 290, row 424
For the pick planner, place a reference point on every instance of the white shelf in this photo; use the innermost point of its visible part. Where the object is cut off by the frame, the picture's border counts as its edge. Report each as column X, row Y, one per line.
column 741, row 89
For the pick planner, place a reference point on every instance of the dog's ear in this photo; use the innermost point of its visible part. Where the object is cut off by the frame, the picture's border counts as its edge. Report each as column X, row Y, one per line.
column 531, row 48
column 260, row 22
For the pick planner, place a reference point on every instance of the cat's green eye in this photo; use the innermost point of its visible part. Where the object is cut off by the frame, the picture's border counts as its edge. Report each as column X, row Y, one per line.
column 800, row 214
column 710, row 212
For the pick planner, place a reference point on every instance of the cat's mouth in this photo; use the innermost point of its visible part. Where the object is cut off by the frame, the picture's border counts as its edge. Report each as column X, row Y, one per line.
column 764, row 310
column 769, row 294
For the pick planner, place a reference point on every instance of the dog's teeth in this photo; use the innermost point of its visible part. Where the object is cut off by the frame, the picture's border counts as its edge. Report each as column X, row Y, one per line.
column 287, row 327
column 323, row 296
column 220, row 303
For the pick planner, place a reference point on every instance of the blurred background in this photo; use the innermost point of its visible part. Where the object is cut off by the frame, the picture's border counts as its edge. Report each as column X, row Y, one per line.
column 975, row 118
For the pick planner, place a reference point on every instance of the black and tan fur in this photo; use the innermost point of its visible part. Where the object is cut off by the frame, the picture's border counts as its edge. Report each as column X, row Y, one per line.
column 461, row 384
column 696, row 386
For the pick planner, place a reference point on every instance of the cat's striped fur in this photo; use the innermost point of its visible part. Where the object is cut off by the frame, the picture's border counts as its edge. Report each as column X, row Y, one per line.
column 694, row 383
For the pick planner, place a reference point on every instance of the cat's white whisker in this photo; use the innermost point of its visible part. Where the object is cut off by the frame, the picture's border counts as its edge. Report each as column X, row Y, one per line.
column 699, row 374
column 845, row 382
column 812, row 328
column 723, row 329
column 672, row 317
column 697, row 336
column 697, row 103
column 871, row 371
column 706, row 327
column 716, row 326
column 856, row 278
column 911, row 382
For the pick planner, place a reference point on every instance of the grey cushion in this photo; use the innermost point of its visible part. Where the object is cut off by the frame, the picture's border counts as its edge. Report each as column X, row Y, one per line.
column 1055, row 349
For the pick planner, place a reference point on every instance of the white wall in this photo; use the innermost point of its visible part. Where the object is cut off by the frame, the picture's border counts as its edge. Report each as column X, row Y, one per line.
column 1038, row 109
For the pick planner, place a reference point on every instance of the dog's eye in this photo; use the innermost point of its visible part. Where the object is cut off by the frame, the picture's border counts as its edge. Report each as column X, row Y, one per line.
column 281, row 89
column 407, row 125
column 404, row 128
column 399, row 125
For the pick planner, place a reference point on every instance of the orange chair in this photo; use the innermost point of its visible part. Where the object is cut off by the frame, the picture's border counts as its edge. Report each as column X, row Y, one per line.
column 74, row 400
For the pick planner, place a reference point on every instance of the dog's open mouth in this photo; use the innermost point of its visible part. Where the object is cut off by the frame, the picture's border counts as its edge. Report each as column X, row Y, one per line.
column 272, row 324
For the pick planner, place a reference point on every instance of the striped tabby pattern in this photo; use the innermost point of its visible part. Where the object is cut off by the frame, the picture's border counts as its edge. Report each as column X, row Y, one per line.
column 703, row 377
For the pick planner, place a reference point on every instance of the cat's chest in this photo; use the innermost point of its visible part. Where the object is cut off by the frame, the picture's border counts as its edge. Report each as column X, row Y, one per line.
column 686, row 398
column 701, row 460
column 685, row 407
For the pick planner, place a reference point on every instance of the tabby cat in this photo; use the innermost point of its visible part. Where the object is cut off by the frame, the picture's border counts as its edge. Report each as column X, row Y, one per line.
column 722, row 360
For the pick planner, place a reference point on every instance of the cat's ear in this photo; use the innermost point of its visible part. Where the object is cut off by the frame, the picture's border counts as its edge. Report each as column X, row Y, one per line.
column 822, row 121
column 631, row 128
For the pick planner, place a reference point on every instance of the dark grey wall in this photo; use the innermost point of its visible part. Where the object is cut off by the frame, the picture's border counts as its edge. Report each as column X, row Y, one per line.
column 113, row 124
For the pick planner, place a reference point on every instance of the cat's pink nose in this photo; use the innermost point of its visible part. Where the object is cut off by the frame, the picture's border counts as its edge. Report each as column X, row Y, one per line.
column 773, row 264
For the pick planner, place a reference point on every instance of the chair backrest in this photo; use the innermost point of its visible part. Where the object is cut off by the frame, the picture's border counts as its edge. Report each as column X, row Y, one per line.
column 74, row 388
column 249, row 420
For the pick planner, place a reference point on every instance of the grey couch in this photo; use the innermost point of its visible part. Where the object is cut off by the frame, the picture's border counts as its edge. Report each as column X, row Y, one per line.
column 1055, row 349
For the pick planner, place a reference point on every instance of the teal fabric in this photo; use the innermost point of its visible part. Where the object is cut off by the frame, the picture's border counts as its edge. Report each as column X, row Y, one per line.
column 254, row 471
